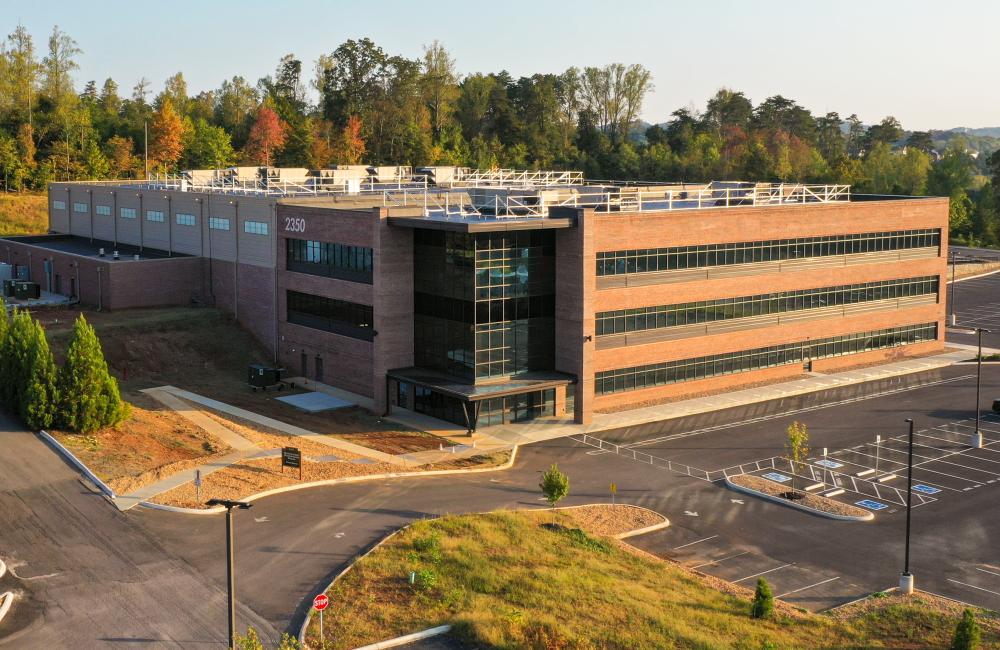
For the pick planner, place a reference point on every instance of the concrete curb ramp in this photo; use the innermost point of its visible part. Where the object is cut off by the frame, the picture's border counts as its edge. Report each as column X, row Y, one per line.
column 333, row 481
column 798, row 506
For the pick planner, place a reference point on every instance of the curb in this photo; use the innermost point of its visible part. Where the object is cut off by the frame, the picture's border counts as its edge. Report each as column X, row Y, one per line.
column 785, row 502
column 3, row 569
column 6, row 600
column 305, row 623
column 628, row 533
column 973, row 277
column 68, row 455
column 333, row 481
column 407, row 639
column 442, row 629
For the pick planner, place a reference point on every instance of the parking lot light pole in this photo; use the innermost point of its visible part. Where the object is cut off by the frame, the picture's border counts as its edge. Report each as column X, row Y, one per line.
column 951, row 303
column 231, row 574
column 977, row 437
column 906, row 579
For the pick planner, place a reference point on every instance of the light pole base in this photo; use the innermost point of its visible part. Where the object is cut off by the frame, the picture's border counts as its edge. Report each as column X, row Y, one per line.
column 952, row 319
column 977, row 440
column 906, row 583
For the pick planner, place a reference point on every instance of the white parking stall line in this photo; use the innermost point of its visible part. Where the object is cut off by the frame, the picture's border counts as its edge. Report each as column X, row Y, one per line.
column 992, row 573
column 954, row 442
column 795, row 591
column 925, row 482
column 927, row 469
column 966, row 584
column 720, row 560
column 973, row 427
column 699, row 541
column 763, row 573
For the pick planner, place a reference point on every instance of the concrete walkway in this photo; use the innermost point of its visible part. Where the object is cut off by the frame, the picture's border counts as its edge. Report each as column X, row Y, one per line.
column 540, row 430
column 200, row 420
column 283, row 427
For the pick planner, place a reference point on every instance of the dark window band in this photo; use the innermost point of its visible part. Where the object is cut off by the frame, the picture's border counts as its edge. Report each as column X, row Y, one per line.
column 671, row 372
column 330, row 315
column 647, row 318
column 352, row 263
column 648, row 260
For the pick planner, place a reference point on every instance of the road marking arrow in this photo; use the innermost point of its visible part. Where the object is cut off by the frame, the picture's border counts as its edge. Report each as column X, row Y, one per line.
column 690, row 514
column 739, row 501
column 260, row 520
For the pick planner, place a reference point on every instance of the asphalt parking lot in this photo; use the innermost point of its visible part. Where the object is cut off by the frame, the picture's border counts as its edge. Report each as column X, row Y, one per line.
column 977, row 304
column 814, row 562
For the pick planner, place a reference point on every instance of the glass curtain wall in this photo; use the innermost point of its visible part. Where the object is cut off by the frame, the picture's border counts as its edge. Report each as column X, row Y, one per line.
column 484, row 303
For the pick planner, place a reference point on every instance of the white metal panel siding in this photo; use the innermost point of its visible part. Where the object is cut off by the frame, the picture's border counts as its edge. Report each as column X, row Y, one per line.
column 257, row 250
column 128, row 229
column 79, row 222
column 104, row 225
column 155, row 234
column 221, row 244
column 186, row 239
column 59, row 219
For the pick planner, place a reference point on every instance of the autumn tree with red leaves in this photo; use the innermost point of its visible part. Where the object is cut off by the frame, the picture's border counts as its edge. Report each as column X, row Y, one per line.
column 267, row 135
column 167, row 131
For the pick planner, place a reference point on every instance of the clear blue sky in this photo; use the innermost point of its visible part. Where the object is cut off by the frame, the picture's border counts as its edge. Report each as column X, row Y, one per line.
column 929, row 63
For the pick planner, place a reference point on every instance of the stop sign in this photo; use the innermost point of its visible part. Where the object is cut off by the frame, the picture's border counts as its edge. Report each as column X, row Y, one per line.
column 321, row 602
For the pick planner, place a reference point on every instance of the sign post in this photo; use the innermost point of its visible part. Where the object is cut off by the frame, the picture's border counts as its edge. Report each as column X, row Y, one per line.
column 197, row 485
column 878, row 443
column 320, row 603
column 614, row 491
column 291, row 457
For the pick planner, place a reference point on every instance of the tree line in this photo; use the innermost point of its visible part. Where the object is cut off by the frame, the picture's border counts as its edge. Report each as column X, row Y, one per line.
column 368, row 105
column 80, row 396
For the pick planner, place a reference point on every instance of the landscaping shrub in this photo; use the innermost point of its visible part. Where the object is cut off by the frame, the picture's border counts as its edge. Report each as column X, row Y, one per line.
column 89, row 394
column 763, row 600
column 554, row 485
column 966, row 632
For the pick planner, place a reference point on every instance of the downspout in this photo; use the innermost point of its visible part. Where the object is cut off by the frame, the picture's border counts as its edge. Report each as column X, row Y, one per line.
column 141, row 216
column 170, row 227
column 274, row 267
column 236, row 263
column 114, row 216
column 90, row 208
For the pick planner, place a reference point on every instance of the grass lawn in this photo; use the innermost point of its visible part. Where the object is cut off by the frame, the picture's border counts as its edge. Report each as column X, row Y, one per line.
column 23, row 214
column 533, row 580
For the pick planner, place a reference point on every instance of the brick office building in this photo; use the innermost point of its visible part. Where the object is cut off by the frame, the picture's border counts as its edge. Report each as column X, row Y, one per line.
column 495, row 297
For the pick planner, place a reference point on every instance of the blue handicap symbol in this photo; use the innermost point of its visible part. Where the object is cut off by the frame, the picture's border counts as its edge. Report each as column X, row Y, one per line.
column 871, row 505
column 774, row 476
column 831, row 464
column 926, row 489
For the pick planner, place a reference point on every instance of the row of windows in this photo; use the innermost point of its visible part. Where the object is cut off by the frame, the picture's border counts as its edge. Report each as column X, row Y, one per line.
column 218, row 223
column 184, row 219
column 331, row 315
column 645, row 260
column 647, row 318
column 80, row 207
column 255, row 227
column 155, row 215
column 103, row 210
column 128, row 213
column 353, row 263
column 658, row 374
column 58, row 205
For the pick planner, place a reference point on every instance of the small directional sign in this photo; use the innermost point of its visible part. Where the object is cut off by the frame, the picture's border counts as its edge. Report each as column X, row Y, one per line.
column 775, row 476
column 291, row 457
column 871, row 505
column 926, row 489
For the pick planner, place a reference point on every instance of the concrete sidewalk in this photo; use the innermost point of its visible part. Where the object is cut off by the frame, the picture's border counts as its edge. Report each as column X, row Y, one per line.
column 283, row 427
column 519, row 434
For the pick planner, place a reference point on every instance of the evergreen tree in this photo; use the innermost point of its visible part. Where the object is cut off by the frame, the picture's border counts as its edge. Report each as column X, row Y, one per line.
column 14, row 355
column 763, row 600
column 89, row 397
column 39, row 402
column 966, row 632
